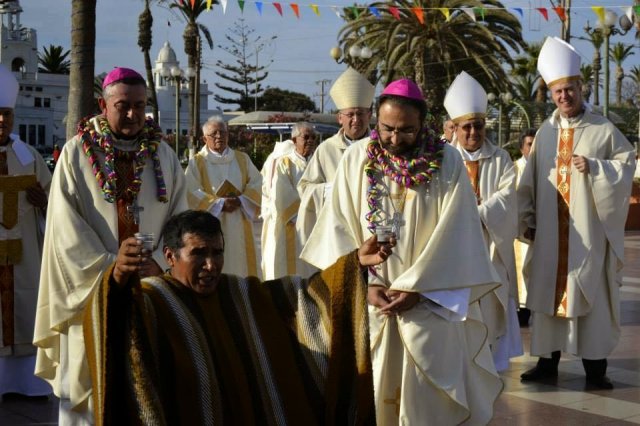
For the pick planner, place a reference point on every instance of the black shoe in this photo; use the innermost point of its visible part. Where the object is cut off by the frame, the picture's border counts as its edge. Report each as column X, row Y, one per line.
column 600, row 382
column 539, row 372
column 523, row 317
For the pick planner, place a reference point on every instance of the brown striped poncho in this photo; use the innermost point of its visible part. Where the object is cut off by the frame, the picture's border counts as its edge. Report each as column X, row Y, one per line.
column 287, row 351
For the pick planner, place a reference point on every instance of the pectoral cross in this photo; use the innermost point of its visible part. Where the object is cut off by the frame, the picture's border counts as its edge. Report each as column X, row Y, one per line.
column 396, row 222
column 134, row 210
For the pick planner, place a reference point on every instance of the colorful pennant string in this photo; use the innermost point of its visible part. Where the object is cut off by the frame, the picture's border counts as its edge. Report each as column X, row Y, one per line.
column 419, row 14
column 562, row 14
column 374, row 11
column 445, row 12
column 278, row 7
column 599, row 11
column 259, row 7
column 395, row 12
column 315, row 9
column 519, row 11
column 296, row 10
column 543, row 12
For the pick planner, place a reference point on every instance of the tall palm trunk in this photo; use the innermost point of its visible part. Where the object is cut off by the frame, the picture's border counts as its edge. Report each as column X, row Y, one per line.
column 83, row 44
column 619, row 78
column 145, row 40
column 191, row 37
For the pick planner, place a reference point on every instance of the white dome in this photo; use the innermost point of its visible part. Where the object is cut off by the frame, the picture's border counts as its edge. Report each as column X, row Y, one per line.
column 167, row 54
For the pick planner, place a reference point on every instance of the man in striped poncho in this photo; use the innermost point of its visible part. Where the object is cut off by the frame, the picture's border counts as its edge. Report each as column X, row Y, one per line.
column 197, row 346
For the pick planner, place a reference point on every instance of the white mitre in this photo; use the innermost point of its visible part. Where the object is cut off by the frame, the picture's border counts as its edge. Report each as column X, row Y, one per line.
column 352, row 90
column 9, row 88
column 465, row 99
column 558, row 62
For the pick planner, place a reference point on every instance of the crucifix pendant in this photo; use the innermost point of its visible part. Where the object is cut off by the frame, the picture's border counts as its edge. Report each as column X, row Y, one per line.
column 396, row 223
column 134, row 211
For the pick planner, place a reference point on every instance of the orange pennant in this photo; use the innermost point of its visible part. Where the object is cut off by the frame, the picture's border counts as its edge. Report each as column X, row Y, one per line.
column 193, row 4
column 296, row 9
column 561, row 13
column 419, row 14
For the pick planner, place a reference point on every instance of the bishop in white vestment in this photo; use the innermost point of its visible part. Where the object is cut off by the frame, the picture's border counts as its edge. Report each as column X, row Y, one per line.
column 227, row 184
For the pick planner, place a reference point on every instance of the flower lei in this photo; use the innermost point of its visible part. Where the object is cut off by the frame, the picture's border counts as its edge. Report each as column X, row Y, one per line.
column 419, row 169
column 149, row 139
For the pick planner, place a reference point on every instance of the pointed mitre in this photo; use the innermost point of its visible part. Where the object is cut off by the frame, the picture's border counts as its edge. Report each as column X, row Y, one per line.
column 352, row 90
column 558, row 62
column 9, row 91
column 465, row 99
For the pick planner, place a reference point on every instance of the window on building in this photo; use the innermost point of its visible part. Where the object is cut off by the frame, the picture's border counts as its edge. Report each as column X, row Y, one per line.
column 38, row 89
column 31, row 139
column 37, row 102
column 169, row 131
column 42, row 134
column 28, row 88
column 47, row 102
column 22, row 130
column 18, row 65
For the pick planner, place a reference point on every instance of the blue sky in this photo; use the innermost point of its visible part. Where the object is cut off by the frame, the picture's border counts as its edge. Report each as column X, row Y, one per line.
column 299, row 54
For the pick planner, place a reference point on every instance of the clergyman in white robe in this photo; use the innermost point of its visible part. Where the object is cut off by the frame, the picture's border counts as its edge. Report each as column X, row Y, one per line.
column 206, row 172
column 431, row 364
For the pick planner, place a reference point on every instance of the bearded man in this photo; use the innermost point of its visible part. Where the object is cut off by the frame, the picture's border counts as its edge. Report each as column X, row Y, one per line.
column 114, row 179
column 24, row 183
column 431, row 360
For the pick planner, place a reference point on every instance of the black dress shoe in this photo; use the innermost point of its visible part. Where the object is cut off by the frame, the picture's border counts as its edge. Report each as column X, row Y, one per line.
column 600, row 382
column 540, row 372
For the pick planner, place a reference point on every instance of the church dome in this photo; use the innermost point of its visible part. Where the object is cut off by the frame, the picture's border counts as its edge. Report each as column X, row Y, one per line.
column 167, row 54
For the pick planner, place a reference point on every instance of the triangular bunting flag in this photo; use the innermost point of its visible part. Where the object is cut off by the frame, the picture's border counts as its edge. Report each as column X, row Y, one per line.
column 315, row 9
column 296, row 9
column 336, row 11
column 181, row 2
column 543, row 12
column 519, row 10
column 374, row 11
column 209, row 4
column 419, row 14
column 193, row 4
column 561, row 13
column 445, row 12
column 259, row 7
column 278, row 7
column 599, row 11
column 479, row 11
column 469, row 12
column 356, row 11
column 224, row 6
column 395, row 12
column 241, row 5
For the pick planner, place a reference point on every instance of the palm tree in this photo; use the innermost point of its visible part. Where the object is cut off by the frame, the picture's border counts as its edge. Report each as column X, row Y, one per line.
column 596, row 38
column 618, row 53
column 526, row 66
column 83, row 47
column 191, row 11
column 54, row 60
column 433, row 53
column 145, row 39
column 635, row 76
column 586, row 73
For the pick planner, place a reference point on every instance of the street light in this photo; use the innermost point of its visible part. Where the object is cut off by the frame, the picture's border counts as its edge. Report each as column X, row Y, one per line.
column 356, row 52
column 607, row 27
column 175, row 73
column 502, row 99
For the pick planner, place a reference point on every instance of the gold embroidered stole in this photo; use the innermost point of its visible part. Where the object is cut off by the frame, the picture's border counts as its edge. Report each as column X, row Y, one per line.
column 563, row 180
column 473, row 171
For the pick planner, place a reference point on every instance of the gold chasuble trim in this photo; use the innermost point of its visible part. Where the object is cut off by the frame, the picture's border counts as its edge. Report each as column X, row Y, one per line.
column 563, row 181
column 10, row 186
column 473, row 171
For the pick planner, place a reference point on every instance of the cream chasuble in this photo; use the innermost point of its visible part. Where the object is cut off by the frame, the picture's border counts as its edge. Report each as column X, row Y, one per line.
column 427, row 370
column 498, row 212
column 597, row 206
column 21, row 235
column 81, row 241
column 205, row 174
column 280, row 247
column 316, row 182
column 268, row 172
column 520, row 247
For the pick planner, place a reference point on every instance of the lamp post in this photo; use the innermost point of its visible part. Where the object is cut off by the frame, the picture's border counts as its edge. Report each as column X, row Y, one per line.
column 502, row 99
column 192, row 77
column 354, row 52
column 175, row 74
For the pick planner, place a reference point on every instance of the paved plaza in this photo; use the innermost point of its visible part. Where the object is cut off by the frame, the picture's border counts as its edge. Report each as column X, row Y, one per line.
column 566, row 402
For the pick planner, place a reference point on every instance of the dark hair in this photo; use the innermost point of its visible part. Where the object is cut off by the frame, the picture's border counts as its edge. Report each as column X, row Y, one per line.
column 526, row 133
column 191, row 221
column 420, row 106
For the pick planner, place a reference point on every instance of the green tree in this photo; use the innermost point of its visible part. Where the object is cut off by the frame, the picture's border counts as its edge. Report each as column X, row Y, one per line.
column 586, row 72
column 596, row 38
column 83, row 49
column 191, row 11
column 618, row 53
column 145, row 40
column 53, row 60
column 244, row 76
column 525, row 68
column 275, row 99
column 434, row 52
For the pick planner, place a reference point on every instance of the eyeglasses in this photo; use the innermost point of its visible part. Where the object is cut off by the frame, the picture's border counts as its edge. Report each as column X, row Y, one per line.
column 476, row 125
column 216, row 133
column 356, row 114
column 387, row 132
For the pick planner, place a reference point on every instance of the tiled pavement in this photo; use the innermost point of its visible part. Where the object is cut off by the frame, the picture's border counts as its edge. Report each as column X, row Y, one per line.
column 567, row 402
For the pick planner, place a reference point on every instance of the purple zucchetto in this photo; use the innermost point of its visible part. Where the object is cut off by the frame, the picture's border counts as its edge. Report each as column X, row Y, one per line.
column 405, row 88
column 119, row 74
